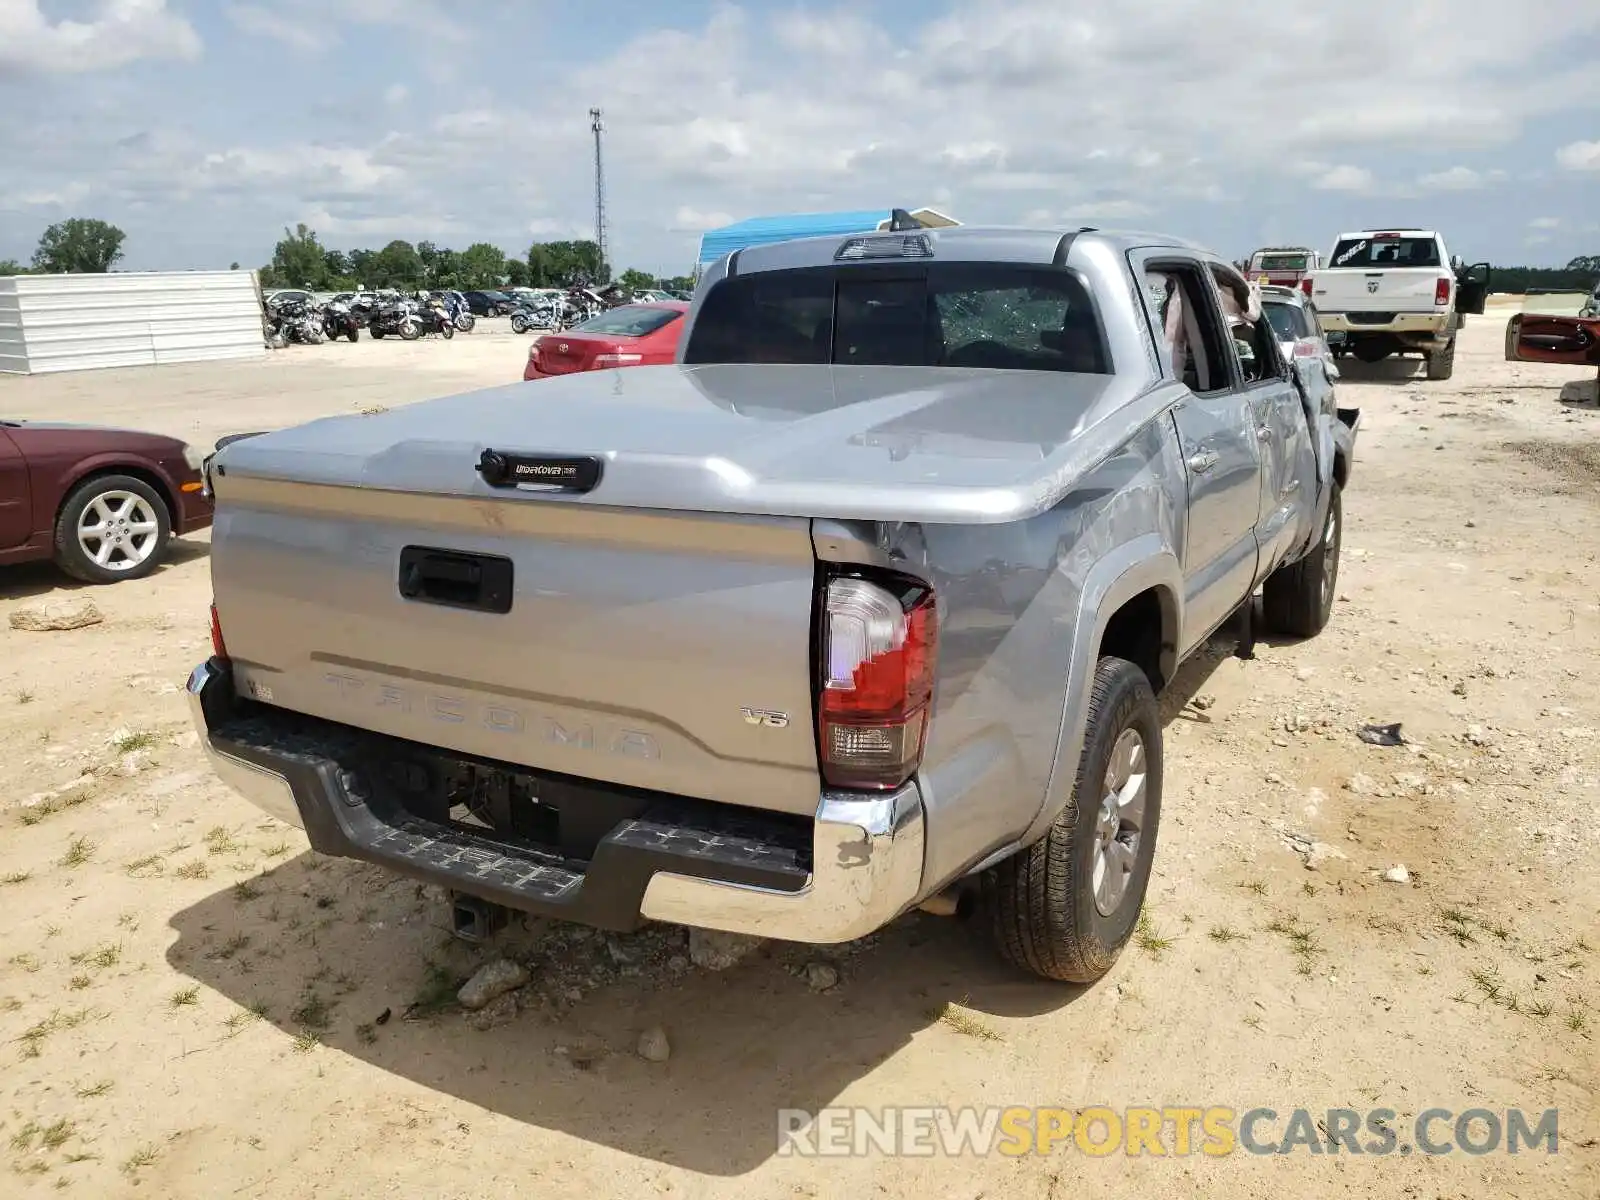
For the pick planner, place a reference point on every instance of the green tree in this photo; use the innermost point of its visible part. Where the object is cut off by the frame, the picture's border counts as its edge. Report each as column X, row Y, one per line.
column 679, row 283
column 398, row 265
column 79, row 246
column 636, row 281
column 516, row 273
column 335, row 263
column 482, row 265
column 559, row 264
column 297, row 261
column 361, row 267
column 10, row 266
column 445, row 271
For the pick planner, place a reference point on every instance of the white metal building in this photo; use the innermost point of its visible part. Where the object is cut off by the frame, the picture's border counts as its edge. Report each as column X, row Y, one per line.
column 127, row 319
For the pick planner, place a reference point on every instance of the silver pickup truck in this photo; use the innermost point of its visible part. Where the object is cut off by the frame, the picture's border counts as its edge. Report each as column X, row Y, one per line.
column 861, row 606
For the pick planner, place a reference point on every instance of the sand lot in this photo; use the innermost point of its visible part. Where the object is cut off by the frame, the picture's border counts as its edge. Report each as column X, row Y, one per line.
column 192, row 1005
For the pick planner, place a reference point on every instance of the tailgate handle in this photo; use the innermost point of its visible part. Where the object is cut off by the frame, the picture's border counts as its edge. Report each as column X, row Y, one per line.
column 507, row 469
column 456, row 579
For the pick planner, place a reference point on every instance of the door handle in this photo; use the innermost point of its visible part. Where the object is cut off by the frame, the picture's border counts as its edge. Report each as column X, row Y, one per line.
column 1202, row 462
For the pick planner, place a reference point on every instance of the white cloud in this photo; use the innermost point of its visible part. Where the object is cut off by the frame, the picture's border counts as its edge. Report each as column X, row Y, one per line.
column 692, row 220
column 292, row 29
column 396, row 93
column 1345, row 179
column 422, row 17
column 1545, row 223
column 1580, row 156
column 1456, row 179
column 122, row 31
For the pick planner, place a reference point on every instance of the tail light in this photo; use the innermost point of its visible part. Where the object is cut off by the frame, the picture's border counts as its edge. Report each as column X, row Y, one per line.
column 533, row 350
column 1305, row 285
column 1441, row 290
column 617, row 360
column 218, row 646
column 1306, row 348
column 878, row 651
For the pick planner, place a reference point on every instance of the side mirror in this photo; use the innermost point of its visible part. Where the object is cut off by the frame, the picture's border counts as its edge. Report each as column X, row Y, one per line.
column 1456, row 261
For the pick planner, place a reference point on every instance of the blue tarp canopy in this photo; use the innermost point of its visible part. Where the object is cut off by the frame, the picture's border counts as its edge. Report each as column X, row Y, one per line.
column 763, row 231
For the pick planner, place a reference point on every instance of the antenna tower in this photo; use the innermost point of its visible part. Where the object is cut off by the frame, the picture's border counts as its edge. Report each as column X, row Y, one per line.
column 596, row 124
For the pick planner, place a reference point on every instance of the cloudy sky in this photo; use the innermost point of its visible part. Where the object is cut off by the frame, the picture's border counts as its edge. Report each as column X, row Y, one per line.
column 202, row 127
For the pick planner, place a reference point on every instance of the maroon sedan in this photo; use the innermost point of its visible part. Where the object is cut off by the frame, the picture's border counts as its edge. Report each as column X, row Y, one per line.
column 102, row 502
column 630, row 335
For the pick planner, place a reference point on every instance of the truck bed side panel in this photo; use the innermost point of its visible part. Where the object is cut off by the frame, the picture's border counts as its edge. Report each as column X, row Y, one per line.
column 633, row 641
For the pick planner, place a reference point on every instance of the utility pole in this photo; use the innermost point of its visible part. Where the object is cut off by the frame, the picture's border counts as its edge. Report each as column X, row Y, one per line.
column 596, row 124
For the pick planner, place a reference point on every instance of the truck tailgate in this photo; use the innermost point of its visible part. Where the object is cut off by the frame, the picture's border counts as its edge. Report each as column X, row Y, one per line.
column 630, row 642
column 1397, row 289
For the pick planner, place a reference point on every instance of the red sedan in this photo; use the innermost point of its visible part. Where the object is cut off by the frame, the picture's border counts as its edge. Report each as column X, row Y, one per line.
column 630, row 335
column 102, row 502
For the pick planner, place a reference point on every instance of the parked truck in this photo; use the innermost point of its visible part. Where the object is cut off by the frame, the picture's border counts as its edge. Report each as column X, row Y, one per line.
column 1398, row 291
column 861, row 606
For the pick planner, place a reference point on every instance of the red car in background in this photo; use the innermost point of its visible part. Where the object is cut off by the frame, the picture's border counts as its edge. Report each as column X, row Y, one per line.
column 102, row 502
column 630, row 335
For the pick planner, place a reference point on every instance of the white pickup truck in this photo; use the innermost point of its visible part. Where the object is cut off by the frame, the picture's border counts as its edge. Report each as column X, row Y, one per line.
column 1397, row 291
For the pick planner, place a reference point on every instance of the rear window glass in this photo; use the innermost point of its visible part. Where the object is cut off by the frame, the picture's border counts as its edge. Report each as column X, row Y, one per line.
column 629, row 321
column 1281, row 262
column 1000, row 317
column 1387, row 252
column 1289, row 320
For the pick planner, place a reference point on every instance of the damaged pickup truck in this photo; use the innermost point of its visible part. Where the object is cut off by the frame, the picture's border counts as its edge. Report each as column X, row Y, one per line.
column 861, row 606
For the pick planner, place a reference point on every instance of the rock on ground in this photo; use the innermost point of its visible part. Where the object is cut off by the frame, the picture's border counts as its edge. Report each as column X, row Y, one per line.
column 820, row 976
column 653, row 1045
column 492, row 980
column 1397, row 874
column 56, row 614
column 717, row 951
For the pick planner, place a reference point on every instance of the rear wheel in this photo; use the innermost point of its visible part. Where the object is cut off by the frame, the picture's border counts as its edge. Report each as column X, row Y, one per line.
column 1066, row 906
column 409, row 331
column 1297, row 599
column 1442, row 363
column 447, row 329
column 375, row 332
column 519, row 323
column 112, row 527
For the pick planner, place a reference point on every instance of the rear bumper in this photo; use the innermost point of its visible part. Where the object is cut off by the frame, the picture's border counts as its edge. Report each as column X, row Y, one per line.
column 863, row 866
column 1426, row 324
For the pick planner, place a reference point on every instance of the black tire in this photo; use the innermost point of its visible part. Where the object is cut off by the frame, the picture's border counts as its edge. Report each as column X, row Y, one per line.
column 519, row 323
column 1297, row 598
column 353, row 333
column 448, row 330
column 70, row 554
column 410, row 331
column 1041, row 902
column 375, row 332
column 1442, row 363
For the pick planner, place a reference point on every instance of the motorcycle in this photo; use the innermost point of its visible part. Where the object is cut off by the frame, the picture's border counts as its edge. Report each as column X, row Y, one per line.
column 433, row 318
column 293, row 321
column 339, row 321
column 394, row 316
column 460, row 315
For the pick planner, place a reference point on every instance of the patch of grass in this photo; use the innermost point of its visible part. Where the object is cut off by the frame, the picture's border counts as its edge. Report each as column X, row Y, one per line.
column 16, row 877
column 964, row 1022
column 1576, row 1020
column 34, row 1036
column 248, row 1016
column 24, row 697
column 306, row 1041
column 246, row 890
column 1456, row 924
column 1224, row 935
column 1253, row 1021
column 79, row 851
column 276, row 849
column 51, row 931
column 78, row 982
column 134, row 739
column 1149, row 938
column 104, row 957
column 194, row 869
column 22, row 1139
column 1302, row 943
column 1255, row 887
column 313, row 1011
column 232, row 946
column 90, row 1091
column 129, row 920
column 1488, row 984
column 220, row 841
column 366, row 1033
column 1541, row 1009
column 56, row 1134
column 1308, row 889
column 437, row 992
column 28, row 962
column 141, row 1158
column 150, row 864
column 184, row 997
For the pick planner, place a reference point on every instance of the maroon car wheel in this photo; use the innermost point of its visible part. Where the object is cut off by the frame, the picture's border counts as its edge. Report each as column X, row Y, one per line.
column 112, row 527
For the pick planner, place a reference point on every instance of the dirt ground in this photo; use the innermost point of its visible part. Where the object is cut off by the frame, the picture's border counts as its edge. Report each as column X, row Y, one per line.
column 192, row 1005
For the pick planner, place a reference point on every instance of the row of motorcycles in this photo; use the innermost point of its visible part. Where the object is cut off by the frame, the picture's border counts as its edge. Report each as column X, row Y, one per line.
column 294, row 320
